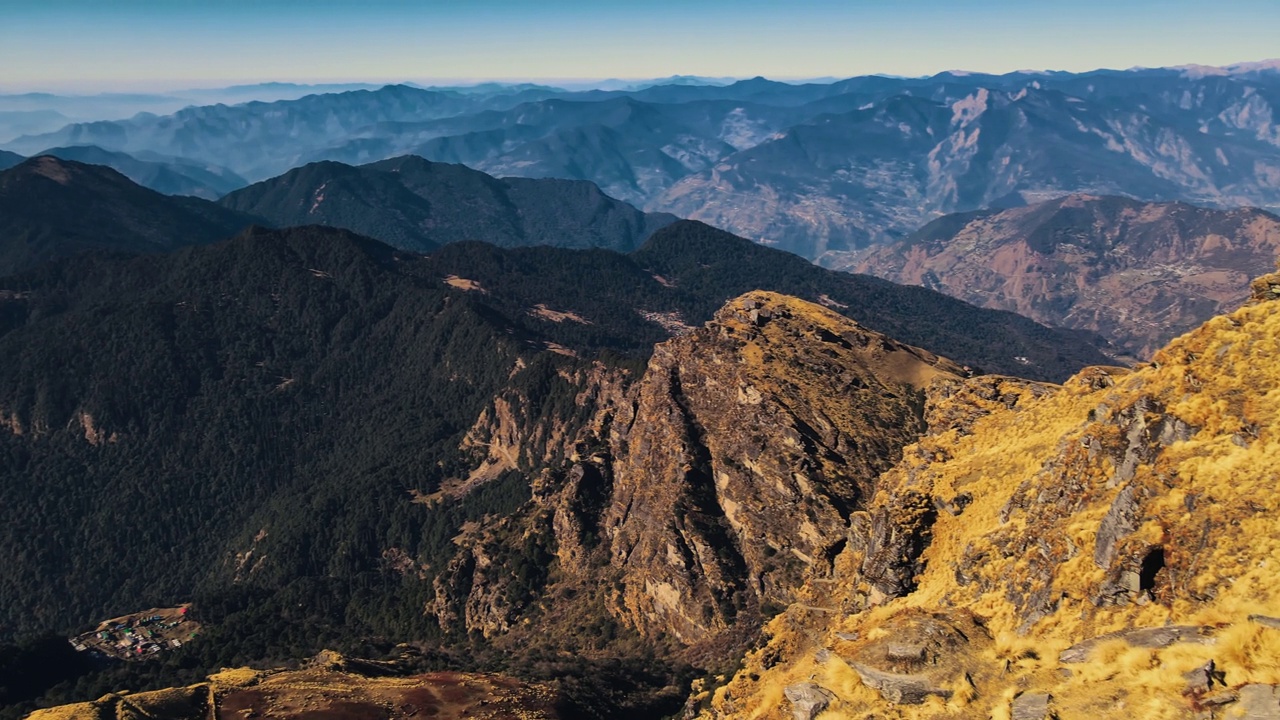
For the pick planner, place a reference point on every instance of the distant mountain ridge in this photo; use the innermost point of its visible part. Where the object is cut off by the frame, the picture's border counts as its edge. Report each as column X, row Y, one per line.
column 171, row 176
column 51, row 208
column 1138, row 273
column 258, row 139
column 417, row 205
column 814, row 168
column 685, row 272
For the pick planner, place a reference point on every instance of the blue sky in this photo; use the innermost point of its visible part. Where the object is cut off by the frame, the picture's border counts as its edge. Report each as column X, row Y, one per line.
column 157, row 44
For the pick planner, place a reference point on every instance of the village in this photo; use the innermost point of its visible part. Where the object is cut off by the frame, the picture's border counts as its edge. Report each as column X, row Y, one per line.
column 139, row 636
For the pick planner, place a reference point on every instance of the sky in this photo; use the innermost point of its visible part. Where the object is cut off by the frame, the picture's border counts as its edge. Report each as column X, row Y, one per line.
column 112, row 45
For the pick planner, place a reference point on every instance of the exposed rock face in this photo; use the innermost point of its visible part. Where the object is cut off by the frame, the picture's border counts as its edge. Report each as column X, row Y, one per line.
column 502, row 564
column 1265, row 288
column 1113, row 538
column 1031, row 706
column 705, row 493
column 870, row 175
column 1259, row 702
column 919, row 657
column 753, row 441
column 1137, row 273
column 807, row 700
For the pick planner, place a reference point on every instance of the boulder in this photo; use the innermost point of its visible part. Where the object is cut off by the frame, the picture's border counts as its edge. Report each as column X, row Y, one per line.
column 1258, row 702
column 808, row 700
column 900, row 689
column 1031, row 706
column 1157, row 637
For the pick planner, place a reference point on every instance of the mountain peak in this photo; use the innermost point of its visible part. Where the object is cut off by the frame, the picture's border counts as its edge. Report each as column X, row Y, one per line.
column 52, row 168
column 64, row 172
column 417, row 205
column 683, row 234
column 887, row 356
column 51, row 208
column 785, row 413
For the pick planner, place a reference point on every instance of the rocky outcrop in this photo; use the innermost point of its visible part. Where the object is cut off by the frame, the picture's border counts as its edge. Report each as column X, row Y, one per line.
column 1031, row 706
column 503, row 564
column 754, row 439
column 1265, row 288
column 1137, row 273
column 1113, row 539
column 919, row 656
column 706, row 492
column 1157, row 637
column 807, row 700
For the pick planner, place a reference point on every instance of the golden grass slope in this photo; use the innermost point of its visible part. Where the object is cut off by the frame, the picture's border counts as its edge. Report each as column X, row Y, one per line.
column 1121, row 500
column 327, row 690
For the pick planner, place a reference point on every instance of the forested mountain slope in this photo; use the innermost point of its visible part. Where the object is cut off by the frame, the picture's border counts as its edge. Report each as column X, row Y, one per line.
column 52, row 208
column 417, row 205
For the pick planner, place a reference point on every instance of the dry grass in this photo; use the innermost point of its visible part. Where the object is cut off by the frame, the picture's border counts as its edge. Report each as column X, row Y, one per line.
column 1217, row 488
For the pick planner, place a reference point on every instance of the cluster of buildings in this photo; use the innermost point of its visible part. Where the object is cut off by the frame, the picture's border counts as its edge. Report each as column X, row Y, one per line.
column 139, row 636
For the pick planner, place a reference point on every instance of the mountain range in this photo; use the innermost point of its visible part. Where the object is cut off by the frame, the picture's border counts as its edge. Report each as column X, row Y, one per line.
column 817, row 169
column 876, row 529
column 171, row 176
column 410, row 400
column 55, row 207
column 395, row 437
column 1138, row 273
column 418, row 205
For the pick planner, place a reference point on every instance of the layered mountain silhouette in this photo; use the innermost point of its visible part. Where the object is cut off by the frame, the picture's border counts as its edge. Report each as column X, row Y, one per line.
column 261, row 139
column 50, row 208
column 417, row 205
column 8, row 159
column 1138, row 273
column 812, row 168
column 56, row 207
column 171, row 176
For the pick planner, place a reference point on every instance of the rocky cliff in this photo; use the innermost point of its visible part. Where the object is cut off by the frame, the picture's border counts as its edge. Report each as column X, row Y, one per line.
column 1137, row 273
column 701, row 495
column 1101, row 549
column 753, row 440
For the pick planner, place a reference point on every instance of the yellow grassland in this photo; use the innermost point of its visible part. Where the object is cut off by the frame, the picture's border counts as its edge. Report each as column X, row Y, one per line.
column 1222, row 484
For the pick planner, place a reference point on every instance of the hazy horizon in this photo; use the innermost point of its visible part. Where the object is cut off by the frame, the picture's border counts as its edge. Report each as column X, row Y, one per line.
column 124, row 87
column 157, row 45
